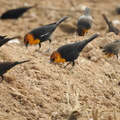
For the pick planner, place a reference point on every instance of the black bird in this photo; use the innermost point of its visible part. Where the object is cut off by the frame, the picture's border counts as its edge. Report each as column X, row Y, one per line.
column 84, row 23
column 111, row 27
column 74, row 115
column 4, row 40
column 70, row 52
column 5, row 66
column 112, row 49
column 41, row 34
column 15, row 13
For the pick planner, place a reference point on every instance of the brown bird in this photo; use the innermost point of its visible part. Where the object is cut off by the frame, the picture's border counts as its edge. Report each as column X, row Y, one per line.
column 41, row 34
column 70, row 52
column 74, row 115
column 84, row 23
column 4, row 40
column 112, row 49
column 5, row 66
column 111, row 27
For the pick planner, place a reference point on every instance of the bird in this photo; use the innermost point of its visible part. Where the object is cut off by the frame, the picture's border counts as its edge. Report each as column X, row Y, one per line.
column 70, row 52
column 41, row 34
column 74, row 115
column 15, row 13
column 111, row 27
column 111, row 49
column 6, row 66
column 84, row 23
column 4, row 40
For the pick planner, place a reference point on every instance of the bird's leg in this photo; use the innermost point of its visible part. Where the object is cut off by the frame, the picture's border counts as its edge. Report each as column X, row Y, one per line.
column 39, row 45
column 2, row 78
column 49, row 45
column 38, row 50
column 67, row 65
column 73, row 63
column 117, row 56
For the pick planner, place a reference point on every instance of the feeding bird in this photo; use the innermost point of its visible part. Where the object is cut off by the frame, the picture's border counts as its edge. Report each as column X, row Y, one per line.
column 84, row 23
column 15, row 13
column 111, row 27
column 70, row 52
column 111, row 49
column 41, row 34
column 5, row 66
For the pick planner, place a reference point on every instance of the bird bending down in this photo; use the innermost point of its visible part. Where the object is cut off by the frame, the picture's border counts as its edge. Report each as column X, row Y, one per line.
column 5, row 66
column 112, row 49
column 15, row 13
column 111, row 27
column 84, row 23
column 4, row 40
column 70, row 52
column 41, row 34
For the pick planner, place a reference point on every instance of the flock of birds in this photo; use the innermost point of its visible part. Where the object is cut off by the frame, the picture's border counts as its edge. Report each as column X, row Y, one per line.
column 66, row 53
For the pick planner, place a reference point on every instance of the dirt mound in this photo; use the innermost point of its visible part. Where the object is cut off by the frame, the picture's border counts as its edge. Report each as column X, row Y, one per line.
column 38, row 90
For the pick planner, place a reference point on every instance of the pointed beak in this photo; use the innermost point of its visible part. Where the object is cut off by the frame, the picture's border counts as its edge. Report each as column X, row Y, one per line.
column 26, row 45
column 51, row 61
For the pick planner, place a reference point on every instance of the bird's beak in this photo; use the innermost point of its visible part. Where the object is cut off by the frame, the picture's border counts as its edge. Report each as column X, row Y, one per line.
column 51, row 61
column 26, row 45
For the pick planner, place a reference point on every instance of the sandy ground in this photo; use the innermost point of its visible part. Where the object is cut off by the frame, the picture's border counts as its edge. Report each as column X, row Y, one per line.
column 39, row 90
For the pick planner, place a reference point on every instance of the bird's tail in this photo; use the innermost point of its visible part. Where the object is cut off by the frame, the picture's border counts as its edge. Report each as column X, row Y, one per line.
column 61, row 20
column 13, row 38
column 106, row 19
column 2, row 37
column 22, row 62
column 91, row 38
column 87, row 11
column 83, row 43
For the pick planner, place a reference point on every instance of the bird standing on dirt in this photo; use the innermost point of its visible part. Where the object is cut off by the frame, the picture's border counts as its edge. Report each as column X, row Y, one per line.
column 111, row 27
column 84, row 23
column 70, row 52
column 74, row 115
column 5, row 66
column 41, row 34
column 112, row 49
column 15, row 13
column 4, row 40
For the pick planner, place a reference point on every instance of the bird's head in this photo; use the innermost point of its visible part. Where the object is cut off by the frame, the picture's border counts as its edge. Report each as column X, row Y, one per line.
column 29, row 39
column 82, row 31
column 56, row 57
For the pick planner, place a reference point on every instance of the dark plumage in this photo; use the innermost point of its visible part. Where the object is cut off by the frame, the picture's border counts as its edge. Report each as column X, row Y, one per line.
column 4, row 40
column 74, row 115
column 112, row 49
column 84, row 23
column 41, row 34
column 70, row 52
column 111, row 27
column 15, row 13
column 5, row 66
